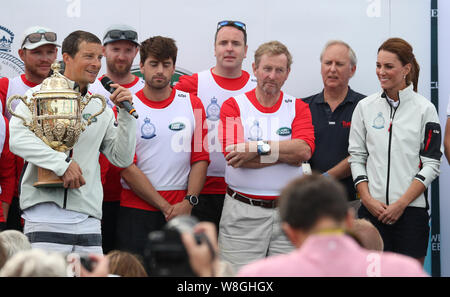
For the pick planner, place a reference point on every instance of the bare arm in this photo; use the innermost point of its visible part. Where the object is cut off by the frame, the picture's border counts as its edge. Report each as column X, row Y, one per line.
column 292, row 152
column 197, row 177
column 375, row 207
column 142, row 187
column 341, row 170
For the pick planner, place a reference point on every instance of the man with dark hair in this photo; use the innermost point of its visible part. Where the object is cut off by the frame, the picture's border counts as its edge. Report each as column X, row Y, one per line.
column 315, row 217
column 170, row 165
column 213, row 86
column 67, row 219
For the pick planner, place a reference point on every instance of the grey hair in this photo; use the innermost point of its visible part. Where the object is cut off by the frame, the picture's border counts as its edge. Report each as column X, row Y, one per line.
column 14, row 241
column 351, row 52
column 35, row 263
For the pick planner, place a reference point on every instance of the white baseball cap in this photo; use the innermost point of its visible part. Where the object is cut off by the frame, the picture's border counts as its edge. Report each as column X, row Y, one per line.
column 120, row 32
column 27, row 40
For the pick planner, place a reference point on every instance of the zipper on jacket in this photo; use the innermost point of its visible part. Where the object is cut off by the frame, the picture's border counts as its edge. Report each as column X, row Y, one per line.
column 392, row 114
column 66, row 190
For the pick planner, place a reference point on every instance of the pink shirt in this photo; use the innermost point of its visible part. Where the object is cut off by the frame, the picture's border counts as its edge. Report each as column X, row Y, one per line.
column 333, row 256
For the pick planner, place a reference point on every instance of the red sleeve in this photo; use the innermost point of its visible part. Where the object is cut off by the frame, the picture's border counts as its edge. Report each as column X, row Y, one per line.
column 302, row 127
column 104, row 167
column 7, row 170
column 4, row 83
column 199, row 146
column 188, row 83
column 231, row 130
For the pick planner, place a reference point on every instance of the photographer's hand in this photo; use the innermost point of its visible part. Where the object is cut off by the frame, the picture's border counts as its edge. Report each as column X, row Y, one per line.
column 100, row 267
column 203, row 260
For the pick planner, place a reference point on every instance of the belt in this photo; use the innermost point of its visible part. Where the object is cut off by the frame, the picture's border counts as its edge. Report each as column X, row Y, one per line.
column 251, row 201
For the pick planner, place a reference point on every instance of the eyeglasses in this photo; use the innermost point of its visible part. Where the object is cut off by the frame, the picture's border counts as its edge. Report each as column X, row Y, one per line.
column 36, row 37
column 116, row 34
column 239, row 25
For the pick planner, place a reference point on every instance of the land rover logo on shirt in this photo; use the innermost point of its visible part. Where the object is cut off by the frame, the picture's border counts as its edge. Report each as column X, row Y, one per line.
column 86, row 116
column 177, row 126
column 284, row 131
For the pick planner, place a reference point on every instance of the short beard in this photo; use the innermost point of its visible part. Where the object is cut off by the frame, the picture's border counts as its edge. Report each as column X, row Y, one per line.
column 120, row 73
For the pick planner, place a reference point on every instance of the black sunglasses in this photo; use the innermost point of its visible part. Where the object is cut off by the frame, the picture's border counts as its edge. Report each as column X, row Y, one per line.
column 239, row 25
column 36, row 37
column 116, row 34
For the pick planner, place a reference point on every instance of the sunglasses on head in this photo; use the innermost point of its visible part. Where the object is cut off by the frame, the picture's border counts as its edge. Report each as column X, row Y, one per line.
column 36, row 37
column 116, row 34
column 236, row 24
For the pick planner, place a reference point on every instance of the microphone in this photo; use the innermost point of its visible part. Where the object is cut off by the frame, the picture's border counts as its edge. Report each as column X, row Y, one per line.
column 106, row 82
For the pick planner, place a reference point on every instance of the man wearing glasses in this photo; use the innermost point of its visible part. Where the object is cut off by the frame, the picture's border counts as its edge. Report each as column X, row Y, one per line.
column 38, row 49
column 120, row 47
column 213, row 86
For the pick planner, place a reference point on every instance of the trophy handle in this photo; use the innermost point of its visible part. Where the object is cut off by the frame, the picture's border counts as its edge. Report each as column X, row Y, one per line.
column 24, row 100
column 88, row 99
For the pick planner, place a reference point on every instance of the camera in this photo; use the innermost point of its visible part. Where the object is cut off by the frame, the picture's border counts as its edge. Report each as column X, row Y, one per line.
column 165, row 254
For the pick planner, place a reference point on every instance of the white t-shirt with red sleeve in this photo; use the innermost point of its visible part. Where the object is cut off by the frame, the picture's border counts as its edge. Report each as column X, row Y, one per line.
column 9, row 87
column 244, row 119
column 169, row 139
column 213, row 90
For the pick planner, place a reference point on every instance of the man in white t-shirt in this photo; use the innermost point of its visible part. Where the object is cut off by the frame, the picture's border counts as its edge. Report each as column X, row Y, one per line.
column 38, row 50
column 266, row 135
column 170, row 165
column 213, row 86
column 120, row 47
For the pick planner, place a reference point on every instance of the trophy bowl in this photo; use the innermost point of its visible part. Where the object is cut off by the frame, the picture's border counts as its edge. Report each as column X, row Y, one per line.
column 56, row 117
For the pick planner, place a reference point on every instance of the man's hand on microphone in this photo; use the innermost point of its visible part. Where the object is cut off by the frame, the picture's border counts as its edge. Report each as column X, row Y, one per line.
column 121, row 94
column 73, row 177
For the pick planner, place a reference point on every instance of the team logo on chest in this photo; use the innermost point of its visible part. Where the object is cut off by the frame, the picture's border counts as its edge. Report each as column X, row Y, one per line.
column 255, row 132
column 378, row 122
column 148, row 130
column 213, row 110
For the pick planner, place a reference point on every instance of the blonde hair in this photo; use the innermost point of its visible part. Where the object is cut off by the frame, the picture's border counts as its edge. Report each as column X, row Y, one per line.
column 125, row 264
column 273, row 48
column 367, row 234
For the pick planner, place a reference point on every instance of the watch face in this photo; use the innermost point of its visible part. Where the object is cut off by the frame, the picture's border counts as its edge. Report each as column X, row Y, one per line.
column 266, row 148
column 193, row 200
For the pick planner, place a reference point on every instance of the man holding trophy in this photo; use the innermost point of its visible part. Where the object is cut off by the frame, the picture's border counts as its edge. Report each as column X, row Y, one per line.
column 59, row 131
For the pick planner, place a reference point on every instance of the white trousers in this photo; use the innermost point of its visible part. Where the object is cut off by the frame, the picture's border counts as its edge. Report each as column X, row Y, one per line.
column 81, row 238
column 248, row 233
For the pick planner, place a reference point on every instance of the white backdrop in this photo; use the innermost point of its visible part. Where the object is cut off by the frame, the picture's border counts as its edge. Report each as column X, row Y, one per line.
column 303, row 25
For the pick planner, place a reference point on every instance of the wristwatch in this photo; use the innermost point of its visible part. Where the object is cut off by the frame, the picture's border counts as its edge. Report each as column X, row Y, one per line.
column 263, row 147
column 193, row 200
